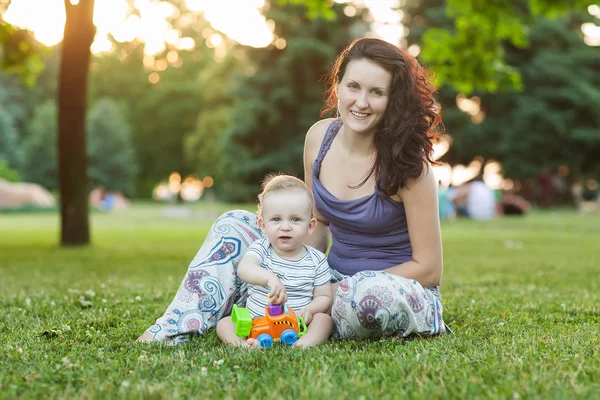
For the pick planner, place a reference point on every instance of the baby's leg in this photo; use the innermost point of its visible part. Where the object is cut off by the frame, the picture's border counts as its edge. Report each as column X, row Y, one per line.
column 226, row 332
column 318, row 332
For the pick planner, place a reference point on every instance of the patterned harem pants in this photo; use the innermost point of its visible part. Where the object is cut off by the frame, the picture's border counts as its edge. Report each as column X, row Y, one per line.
column 370, row 304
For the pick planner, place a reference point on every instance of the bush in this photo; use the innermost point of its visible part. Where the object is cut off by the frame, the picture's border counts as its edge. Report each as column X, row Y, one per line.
column 8, row 173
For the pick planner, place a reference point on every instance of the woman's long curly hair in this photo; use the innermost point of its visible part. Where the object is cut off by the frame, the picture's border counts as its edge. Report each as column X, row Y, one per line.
column 405, row 135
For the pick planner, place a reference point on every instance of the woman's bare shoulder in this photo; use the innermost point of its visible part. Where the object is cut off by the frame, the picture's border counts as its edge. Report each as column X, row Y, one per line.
column 315, row 134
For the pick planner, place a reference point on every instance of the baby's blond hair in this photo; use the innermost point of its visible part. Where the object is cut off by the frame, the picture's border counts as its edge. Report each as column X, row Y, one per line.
column 277, row 182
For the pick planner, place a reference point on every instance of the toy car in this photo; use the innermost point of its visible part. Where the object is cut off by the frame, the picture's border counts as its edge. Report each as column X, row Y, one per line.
column 279, row 323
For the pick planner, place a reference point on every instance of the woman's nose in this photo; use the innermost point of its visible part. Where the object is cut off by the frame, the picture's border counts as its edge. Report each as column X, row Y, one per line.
column 362, row 100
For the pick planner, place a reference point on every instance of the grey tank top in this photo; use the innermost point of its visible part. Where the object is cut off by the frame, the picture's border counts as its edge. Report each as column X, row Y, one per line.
column 369, row 233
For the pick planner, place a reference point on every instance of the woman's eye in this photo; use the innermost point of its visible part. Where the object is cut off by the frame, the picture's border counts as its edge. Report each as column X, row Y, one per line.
column 353, row 86
column 376, row 92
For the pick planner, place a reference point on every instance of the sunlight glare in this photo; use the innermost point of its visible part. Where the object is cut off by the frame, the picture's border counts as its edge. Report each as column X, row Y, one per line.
column 113, row 17
column 246, row 26
column 591, row 33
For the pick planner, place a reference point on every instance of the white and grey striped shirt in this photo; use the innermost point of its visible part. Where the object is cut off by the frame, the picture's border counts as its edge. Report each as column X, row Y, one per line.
column 298, row 276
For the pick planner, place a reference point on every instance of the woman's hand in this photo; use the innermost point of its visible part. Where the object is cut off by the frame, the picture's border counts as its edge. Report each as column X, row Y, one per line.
column 277, row 295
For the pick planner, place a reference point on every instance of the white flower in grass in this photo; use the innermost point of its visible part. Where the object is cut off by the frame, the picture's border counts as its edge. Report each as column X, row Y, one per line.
column 219, row 362
column 28, row 302
column 138, row 298
column 125, row 384
column 203, row 371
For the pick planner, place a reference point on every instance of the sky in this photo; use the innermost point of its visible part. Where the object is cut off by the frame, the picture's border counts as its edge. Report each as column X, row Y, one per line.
column 246, row 25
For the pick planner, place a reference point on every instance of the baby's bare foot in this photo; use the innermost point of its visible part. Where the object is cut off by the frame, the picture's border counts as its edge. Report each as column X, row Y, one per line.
column 253, row 344
column 302, row 343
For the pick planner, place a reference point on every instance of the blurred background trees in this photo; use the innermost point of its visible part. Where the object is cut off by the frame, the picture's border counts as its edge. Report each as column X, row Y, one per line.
column 519, row 84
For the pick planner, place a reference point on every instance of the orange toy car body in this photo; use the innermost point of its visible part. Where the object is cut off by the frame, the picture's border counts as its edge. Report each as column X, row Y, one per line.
column 274, row 325
column 279, row 323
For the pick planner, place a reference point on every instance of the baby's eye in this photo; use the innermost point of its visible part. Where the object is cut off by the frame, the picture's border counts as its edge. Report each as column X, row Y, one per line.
column 295, row 219
column 275, row 219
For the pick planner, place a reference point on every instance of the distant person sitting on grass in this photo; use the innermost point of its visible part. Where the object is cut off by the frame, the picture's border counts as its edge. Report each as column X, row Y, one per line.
column 475, row 200
column 280, row 268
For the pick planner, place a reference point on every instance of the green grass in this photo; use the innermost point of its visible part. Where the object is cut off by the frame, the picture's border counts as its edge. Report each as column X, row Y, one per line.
column 520, row 293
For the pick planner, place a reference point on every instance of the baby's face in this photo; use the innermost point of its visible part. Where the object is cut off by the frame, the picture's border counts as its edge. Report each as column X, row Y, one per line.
column 287, row 221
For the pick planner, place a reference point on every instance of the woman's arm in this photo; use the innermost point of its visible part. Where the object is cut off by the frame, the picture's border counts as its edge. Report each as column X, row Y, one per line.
column 422, row 215
column 320, row 238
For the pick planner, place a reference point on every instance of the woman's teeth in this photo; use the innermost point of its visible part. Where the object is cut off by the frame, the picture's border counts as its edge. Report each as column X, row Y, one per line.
column 359, row 115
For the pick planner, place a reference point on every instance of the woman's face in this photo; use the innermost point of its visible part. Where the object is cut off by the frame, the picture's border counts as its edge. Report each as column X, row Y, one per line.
column 363, row 95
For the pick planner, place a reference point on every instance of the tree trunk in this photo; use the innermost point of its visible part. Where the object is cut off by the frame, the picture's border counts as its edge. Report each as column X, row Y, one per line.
column 72, row 104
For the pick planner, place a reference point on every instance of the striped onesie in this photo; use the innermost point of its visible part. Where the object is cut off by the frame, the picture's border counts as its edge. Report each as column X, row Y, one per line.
column 298, row 276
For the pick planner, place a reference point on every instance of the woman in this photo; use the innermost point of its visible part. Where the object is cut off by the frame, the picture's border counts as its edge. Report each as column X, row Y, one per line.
column 375, row 195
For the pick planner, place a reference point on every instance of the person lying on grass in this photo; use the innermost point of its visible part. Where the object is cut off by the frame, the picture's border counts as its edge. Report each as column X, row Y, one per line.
column 280, row 268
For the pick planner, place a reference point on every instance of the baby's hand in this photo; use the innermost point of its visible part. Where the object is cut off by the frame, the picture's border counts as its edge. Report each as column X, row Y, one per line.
column 306, row 314
column 277, row 294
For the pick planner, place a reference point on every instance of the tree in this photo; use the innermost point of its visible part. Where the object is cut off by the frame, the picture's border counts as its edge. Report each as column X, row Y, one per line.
column 204, row 148
column 19, row 51
column 550, row 122
column 39, row 147
column 279, row 101
column 72, row 104
column 470, row 54
column 111, row 157
column 554, row 120
column 8, row 140
column 78, row 37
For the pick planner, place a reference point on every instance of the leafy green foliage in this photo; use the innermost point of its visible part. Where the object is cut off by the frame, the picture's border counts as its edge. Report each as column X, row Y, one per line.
column 314, row 8
column 13, row 100
column 550, row 122
column 111, row 158
column 19, row 53
column 555, row 121
column 204, row 148
column 39, row 148
column 8, row 140
column 8, row 173
column 277, row 104
column 470, row 55
column 160, row 115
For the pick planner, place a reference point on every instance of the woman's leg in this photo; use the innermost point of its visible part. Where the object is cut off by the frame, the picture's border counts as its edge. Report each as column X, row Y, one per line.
column 374, row 304
column 210, row 286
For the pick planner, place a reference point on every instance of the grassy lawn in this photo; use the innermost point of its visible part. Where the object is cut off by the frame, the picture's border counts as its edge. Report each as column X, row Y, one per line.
column 520, row 294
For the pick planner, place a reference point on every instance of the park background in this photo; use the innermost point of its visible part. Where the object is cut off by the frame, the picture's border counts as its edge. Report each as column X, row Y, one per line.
column 193, row 102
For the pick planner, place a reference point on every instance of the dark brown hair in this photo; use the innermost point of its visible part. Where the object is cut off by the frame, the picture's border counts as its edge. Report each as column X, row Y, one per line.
column 405, row 135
